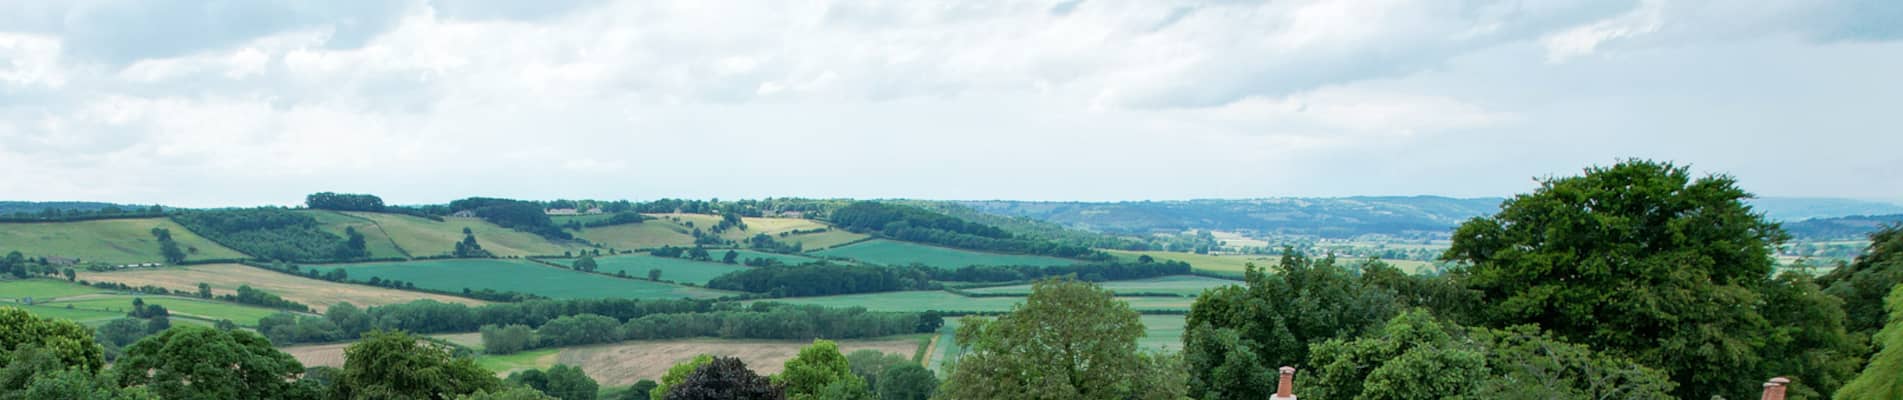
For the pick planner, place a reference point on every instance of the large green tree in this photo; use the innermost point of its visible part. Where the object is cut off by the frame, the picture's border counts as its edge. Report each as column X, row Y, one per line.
column 1237, row 335
column 1639, row 258
column 197, row 362
column 387, row 364
column 819, row 370
column 1068, row 340
column 1413, row 357
column 677, row 374
column 907, row 382
column 71, row 342
column 725, row 378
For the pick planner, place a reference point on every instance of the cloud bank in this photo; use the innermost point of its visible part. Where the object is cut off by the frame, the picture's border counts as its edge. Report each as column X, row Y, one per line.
column 259, row 102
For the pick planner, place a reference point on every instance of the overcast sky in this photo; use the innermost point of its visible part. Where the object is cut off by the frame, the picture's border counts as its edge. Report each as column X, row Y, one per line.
column 205, row 103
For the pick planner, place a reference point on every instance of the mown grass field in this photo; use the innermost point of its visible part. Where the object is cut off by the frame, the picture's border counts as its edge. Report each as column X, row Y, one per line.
column 225, row 279
column 374, row 238
column 770, row 226
column 113, row 241
column 889, row 252
column 42, row 289
column 822, row 240
column 517, row 276
column 924, row 300
column 1186, row 285
column 789, row 259
column 177, row 306
column 672, row 269
column 645, row 235
column 423, row 237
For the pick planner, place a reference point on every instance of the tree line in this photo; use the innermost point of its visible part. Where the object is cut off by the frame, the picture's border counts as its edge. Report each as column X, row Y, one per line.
column 825, row 278
column 919, row 225
column 759, row 321
column 344, row 202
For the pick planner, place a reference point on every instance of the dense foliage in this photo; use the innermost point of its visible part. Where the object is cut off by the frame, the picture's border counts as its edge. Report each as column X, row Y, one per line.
column 195, row 362
column 1863, row 283
column 562, row 382
column 820, row 372
column 919, row 225
column 1641, row 259
column 1238, row 335
column 248, row 295
column 1069, row 340
column 1415, row 356
column 67, row 211
column 824, row 278
column 344, row 202
column 1883, row 377
column 724, row 378
column 271, row 233
column 757, row 321
column 396, row 365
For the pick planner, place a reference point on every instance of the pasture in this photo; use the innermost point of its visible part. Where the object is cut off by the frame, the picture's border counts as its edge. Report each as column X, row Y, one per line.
column 822, row 240
column 423, row 237
column 789, row 259
column 672, row 269
column 42, row 290
column 1184, row 285
column 374, row 239
column 177, row 306
column 1235, row 263
column 517, row 276
column 923, row 300
column 646, row 235
column 770, row 226
column 896, row 253
column 225, row 279
column 111, row 241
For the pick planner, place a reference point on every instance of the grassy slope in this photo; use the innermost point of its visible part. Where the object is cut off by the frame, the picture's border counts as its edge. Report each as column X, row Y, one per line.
column 178, row 306
column 42, row 289
column 225, row 279
column 939, row 300
column 645, row 235
column 375, row 239
column 672, row 269
column 116, row 241
column 423, row 237
column 518, row 276
column 888, row 252
column 72, row 301
column 822, row 240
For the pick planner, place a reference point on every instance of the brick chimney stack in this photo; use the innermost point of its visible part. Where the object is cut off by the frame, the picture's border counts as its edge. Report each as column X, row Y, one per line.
column 1285, row 387
column 1774, row 389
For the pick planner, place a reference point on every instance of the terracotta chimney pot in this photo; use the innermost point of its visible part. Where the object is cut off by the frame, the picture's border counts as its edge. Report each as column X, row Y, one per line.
column 1285, row 387
column 1774, row 389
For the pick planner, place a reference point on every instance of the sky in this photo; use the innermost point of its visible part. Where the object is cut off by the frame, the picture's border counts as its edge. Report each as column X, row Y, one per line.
column 249, row 102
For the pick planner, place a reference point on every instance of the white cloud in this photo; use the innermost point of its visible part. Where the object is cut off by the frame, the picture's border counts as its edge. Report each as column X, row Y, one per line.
column 429, row 100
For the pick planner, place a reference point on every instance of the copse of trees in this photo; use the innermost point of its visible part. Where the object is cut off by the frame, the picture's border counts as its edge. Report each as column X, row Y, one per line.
column 1863, row 283
column 72, row 212
column 248, row 295
column 1883, row 377
column 919, row 225
column 822, row 278
column 513, row 214
column 1069, row 340
column 272, row 233
column 344, row 202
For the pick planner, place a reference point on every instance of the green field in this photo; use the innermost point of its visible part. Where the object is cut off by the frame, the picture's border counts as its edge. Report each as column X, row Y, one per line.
column 944, row 301
column 42, row 290
column 1186, row 285
column 672, row 269
column 374, row 238
column 789, row 259
column 646, row 235
column 83, row 316
column 1236, row 263
column 112, row 241
column 178, row 306
column 517, row 276
column 423, row 237
column 889, row 252
column 822, row 240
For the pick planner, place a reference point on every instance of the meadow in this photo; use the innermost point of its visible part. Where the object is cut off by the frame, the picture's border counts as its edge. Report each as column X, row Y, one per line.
column 672, row 269
column 646, row 235
column 896, row 253
column 1184, row 285
column 42, row 290
column 85, row 304
column 423, row 237
column 225, row 279
column 923, row 300
column 178, row 306
column 517, row 276
column 112, row 241
column 1236, row 263
column 374, row 238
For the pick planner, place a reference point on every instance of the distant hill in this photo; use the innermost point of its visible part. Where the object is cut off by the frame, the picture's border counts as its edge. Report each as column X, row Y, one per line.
column 1803, row 208
column 1840, row 228
column 1340, row 217
column 34, row 207
column 1325, row 217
